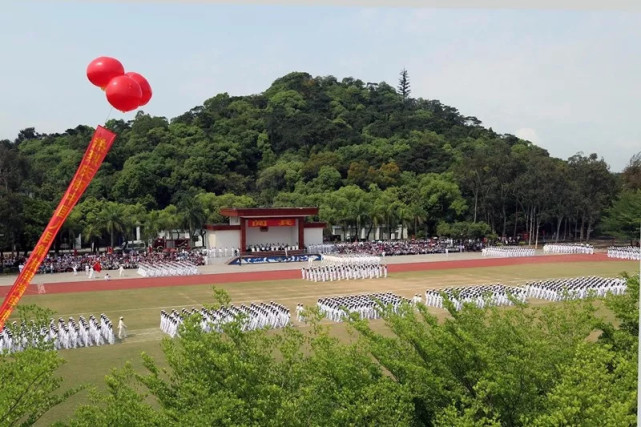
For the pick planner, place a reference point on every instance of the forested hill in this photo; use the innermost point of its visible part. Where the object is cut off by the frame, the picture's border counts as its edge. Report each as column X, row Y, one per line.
column 365, row 153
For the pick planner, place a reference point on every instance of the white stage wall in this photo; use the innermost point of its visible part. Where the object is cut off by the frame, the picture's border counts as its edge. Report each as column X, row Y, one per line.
column 223, row 239
column 286, row 235
column 313, row 236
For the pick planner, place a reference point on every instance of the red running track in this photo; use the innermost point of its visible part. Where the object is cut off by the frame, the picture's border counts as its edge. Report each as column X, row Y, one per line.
column 255, row 276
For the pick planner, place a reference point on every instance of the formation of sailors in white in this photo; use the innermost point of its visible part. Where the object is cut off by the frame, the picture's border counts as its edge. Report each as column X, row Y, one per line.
column 358, row 259
column 346, row 267
column 330, row 273
column 255, row 316
column 625, row 252
column 61, row 335
column 480, row 295
column 164, row 269
column 574, row 288
column 365, row 305
column 507, row 251
column 568, row 248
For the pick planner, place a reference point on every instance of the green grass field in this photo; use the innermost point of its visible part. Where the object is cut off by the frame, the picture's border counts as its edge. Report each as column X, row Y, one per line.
column 141, row 308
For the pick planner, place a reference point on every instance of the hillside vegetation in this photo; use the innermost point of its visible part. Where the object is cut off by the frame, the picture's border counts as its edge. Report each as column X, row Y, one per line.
column 366, row 154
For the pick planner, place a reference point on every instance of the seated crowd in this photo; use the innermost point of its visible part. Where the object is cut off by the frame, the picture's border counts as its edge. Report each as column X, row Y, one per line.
column 386, row 248
column 66, row 263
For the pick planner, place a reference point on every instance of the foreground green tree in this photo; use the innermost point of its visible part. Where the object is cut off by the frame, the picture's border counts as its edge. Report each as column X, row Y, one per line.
column 30, row 385
column 251, row 378
column 480, row 364
column 518, row 366
column 598, row 385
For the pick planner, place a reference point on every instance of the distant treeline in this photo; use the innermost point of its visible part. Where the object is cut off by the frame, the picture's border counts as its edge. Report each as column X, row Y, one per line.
column 367, row 154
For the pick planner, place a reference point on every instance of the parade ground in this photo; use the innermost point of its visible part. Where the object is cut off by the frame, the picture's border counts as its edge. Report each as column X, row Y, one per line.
column 140, row 300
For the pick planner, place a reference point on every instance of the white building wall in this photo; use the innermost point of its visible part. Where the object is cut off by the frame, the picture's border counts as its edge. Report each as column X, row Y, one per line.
column 286, row 235
column 313, row 236
column 223, row 239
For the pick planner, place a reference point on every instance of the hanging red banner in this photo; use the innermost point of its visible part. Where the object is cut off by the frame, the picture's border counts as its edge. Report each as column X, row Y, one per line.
column 93, row 158
column 272, row 222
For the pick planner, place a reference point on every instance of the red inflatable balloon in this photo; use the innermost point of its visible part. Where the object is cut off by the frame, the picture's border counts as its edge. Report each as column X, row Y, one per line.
column 101, row 70
column 144, row 86
column 123, row 93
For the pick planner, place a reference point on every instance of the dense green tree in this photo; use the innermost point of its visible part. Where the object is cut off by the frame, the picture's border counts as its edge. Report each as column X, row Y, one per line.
column 251, row 378
column 212, row 204
column 519, row 366
column 441, row 199
column 425, row 152
column 631, row 175
column 463, row 230
column 623, row 219
column 306, row 135
column 404, row 85
column 595, row 187
column 524, row 365
column 112, row 218
column 193, row 215
column 30, row 383
column 13, row 168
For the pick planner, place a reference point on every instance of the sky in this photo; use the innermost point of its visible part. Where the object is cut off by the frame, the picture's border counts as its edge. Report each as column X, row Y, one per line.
column 567, row 80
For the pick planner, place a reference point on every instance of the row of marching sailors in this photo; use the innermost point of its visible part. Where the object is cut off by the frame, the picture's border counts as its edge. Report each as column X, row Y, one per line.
column 624, row 252
column 575, row 288
column 507, row 251
column 164, row 269
column 256, row 316
column 569, row 248
column 61, row 335
column 479, row 295
column 330, row 273
column 365, row 305
column 351, row 259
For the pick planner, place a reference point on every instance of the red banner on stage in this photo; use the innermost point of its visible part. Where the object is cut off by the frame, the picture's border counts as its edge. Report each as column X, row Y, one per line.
column 272, row 222
column 93, row 158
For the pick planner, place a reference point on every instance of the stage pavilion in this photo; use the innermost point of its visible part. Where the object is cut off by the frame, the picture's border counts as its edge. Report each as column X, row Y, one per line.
column 258, row 231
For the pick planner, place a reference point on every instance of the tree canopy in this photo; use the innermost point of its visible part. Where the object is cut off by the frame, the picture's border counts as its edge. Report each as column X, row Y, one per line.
column 304, row 140
column 525, row 365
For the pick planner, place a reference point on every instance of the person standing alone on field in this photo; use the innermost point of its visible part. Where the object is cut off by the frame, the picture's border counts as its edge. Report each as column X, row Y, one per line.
column 122, row 329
